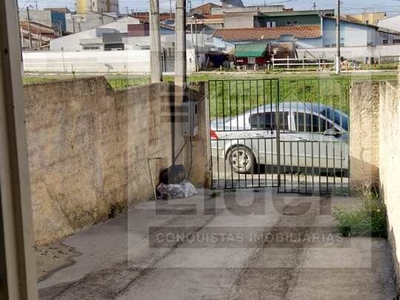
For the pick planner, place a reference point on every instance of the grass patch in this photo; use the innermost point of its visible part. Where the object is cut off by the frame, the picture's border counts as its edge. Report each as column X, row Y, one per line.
column 123, row 82
column 367, row 219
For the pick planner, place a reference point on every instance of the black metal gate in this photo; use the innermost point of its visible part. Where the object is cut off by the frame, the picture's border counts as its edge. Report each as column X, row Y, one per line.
column 289, row 134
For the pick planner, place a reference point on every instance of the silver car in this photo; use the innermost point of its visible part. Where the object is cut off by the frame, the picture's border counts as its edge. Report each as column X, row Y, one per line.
column 312, row 136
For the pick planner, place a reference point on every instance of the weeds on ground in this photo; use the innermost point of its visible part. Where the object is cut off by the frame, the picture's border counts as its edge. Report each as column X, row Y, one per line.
column 367, row 219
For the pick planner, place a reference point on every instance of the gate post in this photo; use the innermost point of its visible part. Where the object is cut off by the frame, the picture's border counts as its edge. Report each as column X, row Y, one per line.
column 278, row 135
column 364, row 135
column 197, row 156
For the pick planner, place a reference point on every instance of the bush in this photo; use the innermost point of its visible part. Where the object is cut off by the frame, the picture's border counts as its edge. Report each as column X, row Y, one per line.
column 367, row 219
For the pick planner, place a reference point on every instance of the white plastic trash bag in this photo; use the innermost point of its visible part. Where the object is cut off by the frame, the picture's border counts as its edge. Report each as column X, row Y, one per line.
column 183, row 190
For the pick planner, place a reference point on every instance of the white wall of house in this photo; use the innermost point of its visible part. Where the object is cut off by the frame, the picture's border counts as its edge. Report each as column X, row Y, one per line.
column 72, row 42
column 308, row 43
column 101, row 62
column 356, row 53
column 355, row 35
column 239, row 20
column 391, row 23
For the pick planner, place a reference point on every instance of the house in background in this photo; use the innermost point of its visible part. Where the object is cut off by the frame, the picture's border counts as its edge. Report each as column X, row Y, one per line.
column 231, row 3
column 250, row 18
column 98, row 6
column 205, row 9
column 371, row 18
column 252, row 55
column 355, row 34
column 198, row 22
column 306, row 36
column 105, row 37
column 67, row 21
column 392, row 23
column 308, row 30
column 293, row 18
column 39, row 36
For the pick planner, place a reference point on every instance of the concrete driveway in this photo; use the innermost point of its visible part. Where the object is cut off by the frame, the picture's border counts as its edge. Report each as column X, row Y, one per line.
column 232, row 245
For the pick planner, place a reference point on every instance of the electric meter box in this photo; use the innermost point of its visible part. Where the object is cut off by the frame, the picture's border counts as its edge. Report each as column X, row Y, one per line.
column 190, row 118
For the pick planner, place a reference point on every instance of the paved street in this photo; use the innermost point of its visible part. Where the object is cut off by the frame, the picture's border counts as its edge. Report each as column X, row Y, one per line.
column 232, row 245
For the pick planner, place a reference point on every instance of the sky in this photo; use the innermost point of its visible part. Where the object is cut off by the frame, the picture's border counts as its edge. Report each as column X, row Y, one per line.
column 392, row 7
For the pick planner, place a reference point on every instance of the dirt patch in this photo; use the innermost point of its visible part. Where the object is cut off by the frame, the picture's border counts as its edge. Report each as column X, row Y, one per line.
column 52, row 258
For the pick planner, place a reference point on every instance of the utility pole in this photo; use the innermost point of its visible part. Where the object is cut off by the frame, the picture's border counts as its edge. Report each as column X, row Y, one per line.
column 40, row 37
column 315, row 6
column 29, row 28
column 37, row 7
column 102, row 16
column 180, row 44
column 196, row 51
column 170, row 9
column 155, row 43
column 180, row 78
column 338, row 39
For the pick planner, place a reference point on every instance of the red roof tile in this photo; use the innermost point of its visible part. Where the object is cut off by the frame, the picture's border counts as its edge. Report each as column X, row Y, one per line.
column 263, row 33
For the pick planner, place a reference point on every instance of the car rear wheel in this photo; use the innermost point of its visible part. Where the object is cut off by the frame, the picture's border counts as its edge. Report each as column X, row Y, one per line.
column 241, row 160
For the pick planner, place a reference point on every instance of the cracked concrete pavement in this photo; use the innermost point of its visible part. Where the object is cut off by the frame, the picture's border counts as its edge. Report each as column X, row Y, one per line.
column 257, row 252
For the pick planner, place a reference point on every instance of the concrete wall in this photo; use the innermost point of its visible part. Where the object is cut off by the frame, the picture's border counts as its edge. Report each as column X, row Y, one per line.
column 389, row 162
column 357, row 53
column 364, row 135
column 239, row 20
column 89, row 148
column 375, row 149
column 102, row 62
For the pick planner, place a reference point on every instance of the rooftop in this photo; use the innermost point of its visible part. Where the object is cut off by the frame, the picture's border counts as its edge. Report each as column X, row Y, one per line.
column 263, row 33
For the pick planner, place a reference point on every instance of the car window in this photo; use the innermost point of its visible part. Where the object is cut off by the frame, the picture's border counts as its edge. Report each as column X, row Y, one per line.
column 338, row 117
column 267, row 121
column 307, row 123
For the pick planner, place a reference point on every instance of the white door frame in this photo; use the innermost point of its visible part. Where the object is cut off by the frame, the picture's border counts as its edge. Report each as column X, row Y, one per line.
column 18, row 279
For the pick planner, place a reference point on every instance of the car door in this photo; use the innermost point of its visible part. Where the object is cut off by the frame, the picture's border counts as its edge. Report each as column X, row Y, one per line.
column 319, row 143
column 264, row 144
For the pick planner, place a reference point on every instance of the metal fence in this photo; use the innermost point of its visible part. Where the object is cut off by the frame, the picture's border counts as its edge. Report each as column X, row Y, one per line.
column 301, row 63
column 289, row 134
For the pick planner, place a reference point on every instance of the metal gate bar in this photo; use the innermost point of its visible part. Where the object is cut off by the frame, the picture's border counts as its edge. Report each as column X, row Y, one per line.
column 289, row 134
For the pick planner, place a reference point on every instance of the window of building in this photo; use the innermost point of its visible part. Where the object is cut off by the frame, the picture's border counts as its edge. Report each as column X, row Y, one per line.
column 252, row 60
column 270, row 24
column 396, row 41
column 385, row 42
column 294, row 22
column 288, row 23
column 91, row 47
